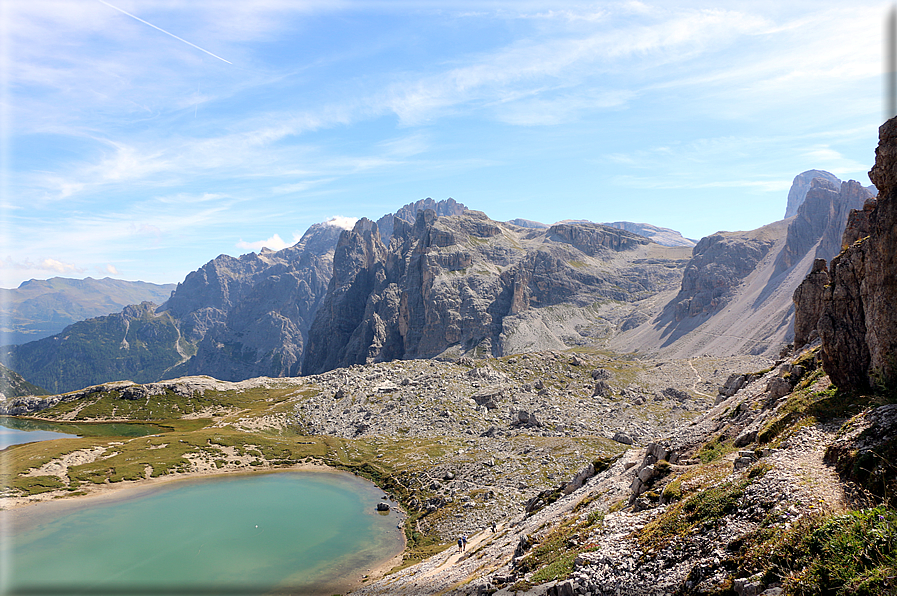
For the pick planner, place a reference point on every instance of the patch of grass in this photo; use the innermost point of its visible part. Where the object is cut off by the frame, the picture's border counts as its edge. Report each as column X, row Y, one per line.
column 759, row 470
column 851, row 553
column 171, row 406
column 804, row 407
column 704, row 507
column 552, row 558
column 715, row 449
column 33, row 485
column 672, row 491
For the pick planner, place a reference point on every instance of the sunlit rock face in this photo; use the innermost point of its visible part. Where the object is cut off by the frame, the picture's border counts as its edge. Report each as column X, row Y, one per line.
column 467, row 285
column 858, row 325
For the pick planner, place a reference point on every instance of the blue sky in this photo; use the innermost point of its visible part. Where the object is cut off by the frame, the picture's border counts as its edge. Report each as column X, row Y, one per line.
column 131, row 153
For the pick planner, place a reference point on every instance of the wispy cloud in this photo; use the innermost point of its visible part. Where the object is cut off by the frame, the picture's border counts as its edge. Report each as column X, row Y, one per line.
column 129, row 142
column 275, row 242
column 41, row 266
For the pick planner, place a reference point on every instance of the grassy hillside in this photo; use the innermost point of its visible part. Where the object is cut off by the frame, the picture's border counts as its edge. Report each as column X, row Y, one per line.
column 135, row 345
column 40, row 308
column 13, row 385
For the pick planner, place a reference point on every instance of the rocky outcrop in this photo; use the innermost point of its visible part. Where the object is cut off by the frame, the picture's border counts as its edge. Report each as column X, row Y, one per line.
column 858, row 325
column 719, row 262
column 858, row 223
column 808, row 303
column 801, row 185
column 865, row 452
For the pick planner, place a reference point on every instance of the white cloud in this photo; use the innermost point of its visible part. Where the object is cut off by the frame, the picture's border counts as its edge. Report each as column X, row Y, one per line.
column 111, row 269
column 58, row 266
column 39, row 268
column 275, row 242
column 339, row 221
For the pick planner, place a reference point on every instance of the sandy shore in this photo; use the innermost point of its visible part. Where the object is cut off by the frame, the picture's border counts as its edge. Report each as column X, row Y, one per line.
column 93, row 493
column 19, row 511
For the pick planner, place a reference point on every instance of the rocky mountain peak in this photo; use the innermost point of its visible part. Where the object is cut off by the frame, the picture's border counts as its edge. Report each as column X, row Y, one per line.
column 408, row 214
column 820, row 220
column 800, row 186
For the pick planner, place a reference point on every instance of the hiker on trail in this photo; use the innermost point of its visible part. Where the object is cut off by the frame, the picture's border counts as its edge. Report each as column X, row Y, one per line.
column 460, row 544
column 493, row 527
column 464, row 541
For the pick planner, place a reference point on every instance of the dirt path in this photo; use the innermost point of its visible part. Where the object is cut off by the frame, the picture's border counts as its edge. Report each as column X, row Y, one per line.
column 456, row 556
column 694, row 386
column 805, row 475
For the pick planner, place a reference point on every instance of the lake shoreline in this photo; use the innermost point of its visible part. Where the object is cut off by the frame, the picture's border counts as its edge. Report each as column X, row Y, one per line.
column 98, row 494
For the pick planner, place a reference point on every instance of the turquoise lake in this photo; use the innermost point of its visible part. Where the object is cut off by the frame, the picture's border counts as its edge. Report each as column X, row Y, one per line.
column 279, row 533
column 14, row 431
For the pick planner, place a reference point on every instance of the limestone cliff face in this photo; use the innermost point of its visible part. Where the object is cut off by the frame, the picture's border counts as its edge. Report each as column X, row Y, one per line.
column 719, row 262
column 249, row 316
column 858, row 325
column 801, row 185
column 467, row 284
column 808, row 303
column 820, row 220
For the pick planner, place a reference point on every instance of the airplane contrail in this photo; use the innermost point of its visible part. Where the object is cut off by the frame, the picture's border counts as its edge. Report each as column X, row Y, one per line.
column 164, row 31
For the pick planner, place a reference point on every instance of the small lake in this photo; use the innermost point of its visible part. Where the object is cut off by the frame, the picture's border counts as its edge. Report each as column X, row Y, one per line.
column 286, row 532
column 15, row 431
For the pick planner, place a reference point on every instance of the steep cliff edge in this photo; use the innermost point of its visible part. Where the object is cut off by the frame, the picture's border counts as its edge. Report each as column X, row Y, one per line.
column 737, row 291
column 801, row 184
column 858, row 324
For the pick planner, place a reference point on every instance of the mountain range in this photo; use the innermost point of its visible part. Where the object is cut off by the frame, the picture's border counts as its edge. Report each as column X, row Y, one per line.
column 439, row 280
column 39, row 308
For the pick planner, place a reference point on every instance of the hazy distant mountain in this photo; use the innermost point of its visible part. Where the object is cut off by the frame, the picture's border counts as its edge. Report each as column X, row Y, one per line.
column 40, row 308
column 801, row 185
column 528, row 223
column 664, row 236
